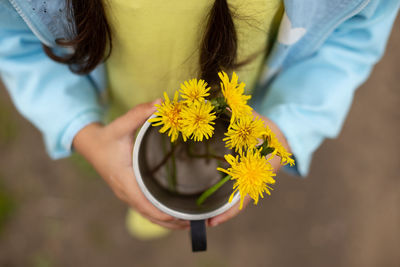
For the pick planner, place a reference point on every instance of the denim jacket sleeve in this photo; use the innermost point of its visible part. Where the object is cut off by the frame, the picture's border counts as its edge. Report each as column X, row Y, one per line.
column 58, row 102
column 310, row 99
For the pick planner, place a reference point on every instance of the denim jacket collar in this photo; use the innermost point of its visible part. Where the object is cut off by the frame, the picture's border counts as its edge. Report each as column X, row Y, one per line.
column 305, row 26
column 48, row 20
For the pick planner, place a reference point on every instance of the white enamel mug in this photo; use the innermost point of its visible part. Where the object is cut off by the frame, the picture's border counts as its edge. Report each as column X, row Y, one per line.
column 183, row 206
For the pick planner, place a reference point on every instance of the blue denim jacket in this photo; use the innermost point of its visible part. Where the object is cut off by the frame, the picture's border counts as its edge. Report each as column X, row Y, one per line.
column 324, row 50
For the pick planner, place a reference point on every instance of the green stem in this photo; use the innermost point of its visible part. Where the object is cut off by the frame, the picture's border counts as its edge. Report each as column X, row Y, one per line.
column 193, row 155
column 190, row 149
column 165, row 159
column 211, row 190
column 172, row 177
column 170, row 165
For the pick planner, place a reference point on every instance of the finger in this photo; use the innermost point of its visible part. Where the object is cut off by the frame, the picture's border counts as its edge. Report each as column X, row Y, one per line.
column 143, row 205
column 176, row 225
column 171, row 224
column 136, row 198
column 162, row 219
column 256, row 114
column 275, row 163
column 134, row 118
column 275, row 129
column 153, row 214
column 229, row 214
column 149, row 214
column 147, row 209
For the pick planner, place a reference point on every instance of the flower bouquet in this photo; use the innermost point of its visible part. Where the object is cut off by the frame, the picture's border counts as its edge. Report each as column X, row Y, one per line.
column 191, row 117
column 211, row 153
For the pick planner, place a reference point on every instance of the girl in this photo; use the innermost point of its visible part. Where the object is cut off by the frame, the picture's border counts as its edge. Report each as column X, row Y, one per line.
column 301, row 60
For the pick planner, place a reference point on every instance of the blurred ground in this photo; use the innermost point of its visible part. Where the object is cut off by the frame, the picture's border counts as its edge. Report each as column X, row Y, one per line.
column 346, row 213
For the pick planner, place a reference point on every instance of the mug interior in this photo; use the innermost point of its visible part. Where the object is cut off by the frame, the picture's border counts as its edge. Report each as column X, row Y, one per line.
column 194, row 175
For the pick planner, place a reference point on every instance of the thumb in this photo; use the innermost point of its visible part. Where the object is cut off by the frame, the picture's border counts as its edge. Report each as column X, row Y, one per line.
column 134, row 118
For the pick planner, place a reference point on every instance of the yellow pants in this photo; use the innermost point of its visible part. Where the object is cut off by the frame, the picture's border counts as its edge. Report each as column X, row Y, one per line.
column 141, row 228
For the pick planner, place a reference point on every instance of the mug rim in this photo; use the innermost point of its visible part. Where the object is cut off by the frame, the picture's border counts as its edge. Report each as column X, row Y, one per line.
column 158, row 204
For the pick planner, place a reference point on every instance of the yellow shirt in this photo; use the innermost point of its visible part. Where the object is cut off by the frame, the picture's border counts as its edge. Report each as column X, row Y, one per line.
column 156, row 44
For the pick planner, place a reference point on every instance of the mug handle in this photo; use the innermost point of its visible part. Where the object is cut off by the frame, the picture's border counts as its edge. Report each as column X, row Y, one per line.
column 199, row 237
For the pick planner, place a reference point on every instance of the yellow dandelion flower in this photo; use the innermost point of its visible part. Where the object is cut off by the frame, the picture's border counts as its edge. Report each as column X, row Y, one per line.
column 194, row 90
column 253, row 174
column 234, row 97
column 169, row 116
column 279, row 149
column 244, row 133
column 197, row 120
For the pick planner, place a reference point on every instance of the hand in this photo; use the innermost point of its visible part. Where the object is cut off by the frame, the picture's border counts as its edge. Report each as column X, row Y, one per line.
column 275, row 162
column 109, row 150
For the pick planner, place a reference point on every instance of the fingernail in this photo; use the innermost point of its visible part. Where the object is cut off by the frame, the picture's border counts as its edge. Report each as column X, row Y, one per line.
column 157, row 101
column 214, row 223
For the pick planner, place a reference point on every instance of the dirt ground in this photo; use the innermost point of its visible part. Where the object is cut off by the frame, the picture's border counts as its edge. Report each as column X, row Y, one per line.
column 346, row 213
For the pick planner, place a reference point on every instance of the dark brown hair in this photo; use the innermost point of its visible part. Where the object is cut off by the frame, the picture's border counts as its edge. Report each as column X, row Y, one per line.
column 92, row 37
